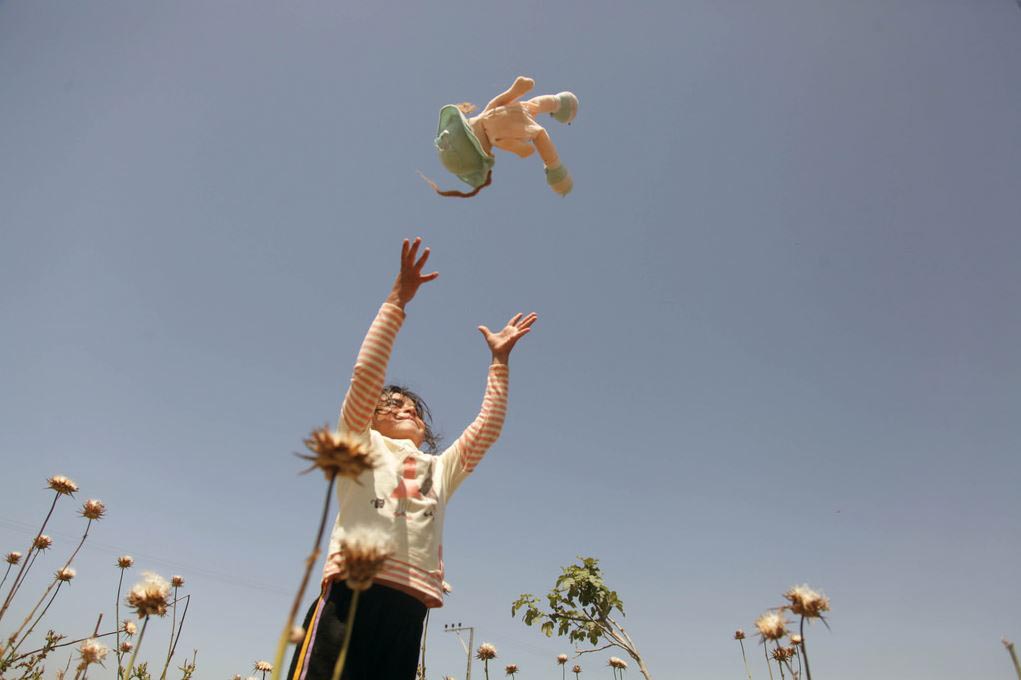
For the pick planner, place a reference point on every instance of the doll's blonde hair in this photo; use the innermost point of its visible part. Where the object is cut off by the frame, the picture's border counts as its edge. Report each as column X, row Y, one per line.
column 467, row 108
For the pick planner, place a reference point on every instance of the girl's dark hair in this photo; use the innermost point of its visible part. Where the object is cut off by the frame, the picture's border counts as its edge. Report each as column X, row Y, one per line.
column 431, row 441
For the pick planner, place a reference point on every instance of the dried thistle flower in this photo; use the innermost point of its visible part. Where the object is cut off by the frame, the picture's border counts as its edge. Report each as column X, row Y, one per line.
column 42, row 542
column 297, row 635
column 486, row 651
column 92, row 651
column 237, row 676
column 149, row 596
column 739, row 634
column 576, row 669
column 65, row 574
column 795, row 639
column 561, row 659
column 62, row 485
column 511, row 668
column 617, row 662
column 783, row 653
column 125, row 561
column 13, row 557
column 263, row 666
column 364, row 551
column 177, row 581
column 127, row 646
column 806, row 602
column 771, row 625
column 336, row 455
column 129, row 627
column 93, row 509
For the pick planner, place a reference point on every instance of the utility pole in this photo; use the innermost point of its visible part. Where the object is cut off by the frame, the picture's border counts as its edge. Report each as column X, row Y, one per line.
column 457, row 628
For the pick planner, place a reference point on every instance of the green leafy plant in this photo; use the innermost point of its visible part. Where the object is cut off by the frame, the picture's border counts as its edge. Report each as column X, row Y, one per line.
column 582, row 607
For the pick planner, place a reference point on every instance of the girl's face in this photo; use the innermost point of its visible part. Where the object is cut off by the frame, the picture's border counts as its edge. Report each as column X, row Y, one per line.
column 396, row 417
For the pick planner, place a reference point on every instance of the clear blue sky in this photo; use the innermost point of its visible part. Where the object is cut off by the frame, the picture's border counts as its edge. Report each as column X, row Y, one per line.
column 779, row 316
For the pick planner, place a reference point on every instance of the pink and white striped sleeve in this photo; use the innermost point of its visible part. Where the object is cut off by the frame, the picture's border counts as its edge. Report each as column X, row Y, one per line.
column 370, row 371
column 461, row 458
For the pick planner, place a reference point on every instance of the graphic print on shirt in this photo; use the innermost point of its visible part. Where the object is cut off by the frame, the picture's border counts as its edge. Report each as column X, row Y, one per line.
column 409, row 487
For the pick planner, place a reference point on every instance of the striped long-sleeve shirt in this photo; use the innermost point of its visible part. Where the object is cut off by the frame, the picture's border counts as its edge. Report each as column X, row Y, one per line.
column 407, row 494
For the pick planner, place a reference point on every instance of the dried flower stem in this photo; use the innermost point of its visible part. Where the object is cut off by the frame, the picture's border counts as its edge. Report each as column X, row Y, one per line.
column 184, row 615
column 1013, row 656
column 804, row 649
column 64, row 644
column 765, row 650
column 28, row 632
column 339, row 667
column 138, row 644
column 6, row 573
column 170, row 644
column 285, row 637
column 425, row 636
column 117, row 621
column 55, row 581
column 743, row 656
column 24, row 565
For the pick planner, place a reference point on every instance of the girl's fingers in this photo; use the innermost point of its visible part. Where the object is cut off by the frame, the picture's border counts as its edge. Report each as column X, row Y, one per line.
column 528, row 321
column 421, row 262
column 514, row 319
column 413, row 252
column 428, row 277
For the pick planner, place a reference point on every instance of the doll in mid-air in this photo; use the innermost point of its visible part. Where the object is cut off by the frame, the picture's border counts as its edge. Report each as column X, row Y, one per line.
column 465, row 144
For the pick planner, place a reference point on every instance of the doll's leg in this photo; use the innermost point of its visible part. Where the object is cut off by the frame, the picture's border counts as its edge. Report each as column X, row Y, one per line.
column 521, row 86
column 556, row 174
column 563, row 106
column 547, row 103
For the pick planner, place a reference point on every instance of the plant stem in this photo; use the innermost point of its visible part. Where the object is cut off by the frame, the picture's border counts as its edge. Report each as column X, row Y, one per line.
column 285, row 637
column 804, row 649
column 117, row 621
column 67, row 564
column 339, row 667
column 1013, row 656
column 24, row 565
column 170, row 644
column 184, row 615
column 425, row 637
column 779, row 663
column 141, row 633
column 765, row 651
column 743, row 656
column 9, row 565
column 36, row 622
column 63, row 644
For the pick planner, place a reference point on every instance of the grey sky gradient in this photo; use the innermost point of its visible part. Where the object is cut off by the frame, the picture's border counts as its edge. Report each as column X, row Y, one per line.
column 778, row 316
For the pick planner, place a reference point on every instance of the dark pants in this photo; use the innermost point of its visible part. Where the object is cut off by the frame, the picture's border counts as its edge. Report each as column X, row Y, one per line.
column 384, row 643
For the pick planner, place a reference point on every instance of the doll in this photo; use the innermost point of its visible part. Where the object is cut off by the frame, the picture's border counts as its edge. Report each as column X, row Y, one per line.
column 465, row 144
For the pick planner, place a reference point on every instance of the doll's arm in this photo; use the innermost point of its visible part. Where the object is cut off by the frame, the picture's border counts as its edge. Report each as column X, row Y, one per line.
column 521, row 86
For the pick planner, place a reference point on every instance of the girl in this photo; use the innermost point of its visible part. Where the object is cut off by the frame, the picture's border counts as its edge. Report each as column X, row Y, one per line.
column 406, row 496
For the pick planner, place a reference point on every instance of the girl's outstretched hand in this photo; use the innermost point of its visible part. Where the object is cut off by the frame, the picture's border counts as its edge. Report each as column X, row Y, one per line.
column 410, row 276
column 502, row 342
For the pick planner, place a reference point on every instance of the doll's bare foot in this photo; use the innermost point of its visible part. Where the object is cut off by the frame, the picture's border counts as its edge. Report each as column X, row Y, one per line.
column 523, row 84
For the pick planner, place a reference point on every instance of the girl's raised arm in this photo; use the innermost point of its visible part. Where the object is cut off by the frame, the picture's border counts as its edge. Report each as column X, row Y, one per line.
column 370, row 368
column 461, row 458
